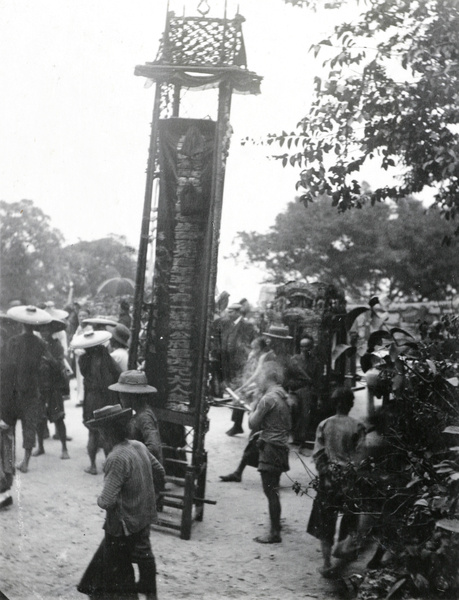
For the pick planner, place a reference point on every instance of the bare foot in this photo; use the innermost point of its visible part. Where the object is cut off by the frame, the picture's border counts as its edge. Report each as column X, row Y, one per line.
column 38, row 452
column 91, row 470
column 65, row 455
column 23, row 467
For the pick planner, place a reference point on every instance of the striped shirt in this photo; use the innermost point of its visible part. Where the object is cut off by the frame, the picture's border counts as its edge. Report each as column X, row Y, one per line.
column 128, row 495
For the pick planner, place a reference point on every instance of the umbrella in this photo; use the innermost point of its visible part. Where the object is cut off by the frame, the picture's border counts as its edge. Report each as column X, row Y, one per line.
column 116, row 286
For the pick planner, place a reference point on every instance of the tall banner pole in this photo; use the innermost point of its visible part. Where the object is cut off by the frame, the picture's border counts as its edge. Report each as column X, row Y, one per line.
column 211, row 263
column 144, row 232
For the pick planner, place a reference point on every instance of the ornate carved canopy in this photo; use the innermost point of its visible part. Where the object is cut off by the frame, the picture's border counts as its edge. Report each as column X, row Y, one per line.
column 201, row 52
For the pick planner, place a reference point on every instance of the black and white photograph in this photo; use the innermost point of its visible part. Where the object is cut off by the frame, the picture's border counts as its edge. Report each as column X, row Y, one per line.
column 229, row 300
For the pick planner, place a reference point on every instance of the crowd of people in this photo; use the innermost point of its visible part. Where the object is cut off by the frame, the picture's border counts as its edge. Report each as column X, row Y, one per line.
column 279, row 390
column 256, row 370
column 36, row 365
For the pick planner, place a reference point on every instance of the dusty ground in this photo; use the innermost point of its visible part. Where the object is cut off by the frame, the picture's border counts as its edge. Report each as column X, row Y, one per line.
column 54, row 526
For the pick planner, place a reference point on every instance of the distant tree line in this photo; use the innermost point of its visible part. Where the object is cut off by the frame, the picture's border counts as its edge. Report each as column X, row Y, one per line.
column 37, row 265
column 392, row 248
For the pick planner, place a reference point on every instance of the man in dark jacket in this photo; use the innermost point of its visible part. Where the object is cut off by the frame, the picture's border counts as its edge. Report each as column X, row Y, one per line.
column 25, row 354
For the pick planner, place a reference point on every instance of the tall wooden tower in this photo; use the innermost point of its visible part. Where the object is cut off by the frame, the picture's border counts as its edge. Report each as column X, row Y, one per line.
column 185, row 177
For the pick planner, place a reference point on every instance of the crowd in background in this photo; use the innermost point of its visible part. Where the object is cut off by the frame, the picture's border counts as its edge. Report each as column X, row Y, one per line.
column 251, row 364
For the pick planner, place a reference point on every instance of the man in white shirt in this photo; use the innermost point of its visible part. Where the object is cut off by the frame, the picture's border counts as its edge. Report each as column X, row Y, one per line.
column 119, row 345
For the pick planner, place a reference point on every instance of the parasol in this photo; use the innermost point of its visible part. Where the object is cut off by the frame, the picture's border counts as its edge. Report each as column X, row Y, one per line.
column 117, row 286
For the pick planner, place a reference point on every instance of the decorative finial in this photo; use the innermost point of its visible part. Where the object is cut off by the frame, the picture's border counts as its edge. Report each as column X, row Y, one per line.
column 203, row 7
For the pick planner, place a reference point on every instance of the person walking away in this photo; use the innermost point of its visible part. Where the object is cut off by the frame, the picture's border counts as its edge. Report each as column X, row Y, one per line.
column 53, row 385
column 25, row 353
column 272, row 418
column 119, row 345
column 99, row 372
column 128, row 497
column 340, row 441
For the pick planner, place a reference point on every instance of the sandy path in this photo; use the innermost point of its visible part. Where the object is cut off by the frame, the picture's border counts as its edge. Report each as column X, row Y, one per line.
column 50, row 533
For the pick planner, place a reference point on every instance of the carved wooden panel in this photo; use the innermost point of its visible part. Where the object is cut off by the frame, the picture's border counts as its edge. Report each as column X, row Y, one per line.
column 186, row 148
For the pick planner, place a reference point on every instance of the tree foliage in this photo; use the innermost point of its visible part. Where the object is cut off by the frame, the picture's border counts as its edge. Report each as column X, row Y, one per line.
column 36, row 266
column 91, row 263
column 382, row 248
column 31, row 263
column 389, row 97
column 409, row 481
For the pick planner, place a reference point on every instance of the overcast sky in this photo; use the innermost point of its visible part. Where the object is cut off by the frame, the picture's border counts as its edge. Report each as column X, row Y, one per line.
column 75, row 121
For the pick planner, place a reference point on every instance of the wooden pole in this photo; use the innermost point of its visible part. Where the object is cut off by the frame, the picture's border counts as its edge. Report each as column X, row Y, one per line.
column 176, row 102
column 211, row 259
column 144, row 233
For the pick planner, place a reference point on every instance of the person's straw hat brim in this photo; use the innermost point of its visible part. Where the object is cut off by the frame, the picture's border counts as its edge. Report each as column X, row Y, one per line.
column 107, row 321
column 121, row 334
column 133, row 382
column 57, row 313
column 107, row 415
column 29, row 315
column 235, row 306
column 90, row 338
column 278, row 333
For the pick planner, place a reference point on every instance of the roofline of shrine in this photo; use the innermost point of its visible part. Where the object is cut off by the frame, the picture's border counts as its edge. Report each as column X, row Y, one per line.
column 198, row 76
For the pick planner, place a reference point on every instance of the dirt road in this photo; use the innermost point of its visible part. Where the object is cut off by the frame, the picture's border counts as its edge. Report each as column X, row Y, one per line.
column 54, row 526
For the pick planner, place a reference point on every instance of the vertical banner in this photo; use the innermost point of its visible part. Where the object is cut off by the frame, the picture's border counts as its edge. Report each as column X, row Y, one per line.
column 174, row 348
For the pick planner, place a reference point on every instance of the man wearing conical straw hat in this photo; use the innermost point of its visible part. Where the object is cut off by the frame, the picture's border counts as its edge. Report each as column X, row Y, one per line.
column 25, row 354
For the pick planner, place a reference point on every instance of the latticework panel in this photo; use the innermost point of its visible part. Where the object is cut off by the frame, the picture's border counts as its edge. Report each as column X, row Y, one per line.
column 198, row 41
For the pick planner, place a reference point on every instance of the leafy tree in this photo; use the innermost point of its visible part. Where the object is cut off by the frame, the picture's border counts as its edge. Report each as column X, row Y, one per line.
column 31, row 261
column 390, row 98
column 396, row 249
column 91, row 263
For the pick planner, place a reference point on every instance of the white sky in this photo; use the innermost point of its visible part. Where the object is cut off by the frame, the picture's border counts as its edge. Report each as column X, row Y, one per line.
column 75, row 122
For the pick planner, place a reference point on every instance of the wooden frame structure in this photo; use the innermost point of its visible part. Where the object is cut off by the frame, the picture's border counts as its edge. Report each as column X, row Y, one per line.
column 186, row 167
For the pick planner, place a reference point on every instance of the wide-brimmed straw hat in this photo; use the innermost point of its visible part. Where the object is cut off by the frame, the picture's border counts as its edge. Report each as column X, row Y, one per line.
column 280, row 332
column 100, row 320
column 29, row 315
column 133, row 382
column 109, row 414
column 56, row 313
column 121, row 334
column 90, row 338
column 235, row 306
